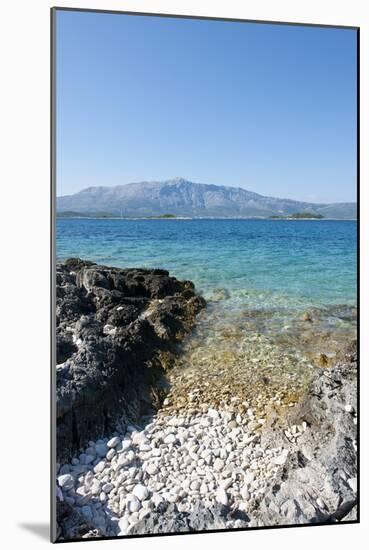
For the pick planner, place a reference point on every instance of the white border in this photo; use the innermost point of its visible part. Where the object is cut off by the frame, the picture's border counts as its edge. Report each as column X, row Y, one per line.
column 24, row 274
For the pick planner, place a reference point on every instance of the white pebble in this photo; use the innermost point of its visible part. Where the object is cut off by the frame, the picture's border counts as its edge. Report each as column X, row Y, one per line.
column 227, row 483
column 123, row 526
column 171, row 438
column 126, row 444
column 66, row 481
column 110, row 454
column 95, row 487
column 245, row 494
column 281, row 459
column 218, row 465
column 156, row 499
column 99, row 467
column 221, row 496
column 152, row 469
column 113, row 442
column 141, row 492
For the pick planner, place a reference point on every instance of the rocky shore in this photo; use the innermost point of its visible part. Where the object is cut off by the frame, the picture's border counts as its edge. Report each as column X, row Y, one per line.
column 117, row 331
column 144, row 468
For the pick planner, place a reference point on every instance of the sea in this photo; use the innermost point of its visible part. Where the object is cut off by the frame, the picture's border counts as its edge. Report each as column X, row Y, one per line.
column 281, row 294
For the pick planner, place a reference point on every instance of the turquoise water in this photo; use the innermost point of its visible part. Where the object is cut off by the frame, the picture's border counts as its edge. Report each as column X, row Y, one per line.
column 281, row 297
column 259, row 263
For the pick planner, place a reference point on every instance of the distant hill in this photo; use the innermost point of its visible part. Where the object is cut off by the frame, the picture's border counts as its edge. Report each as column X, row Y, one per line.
column 180, row 197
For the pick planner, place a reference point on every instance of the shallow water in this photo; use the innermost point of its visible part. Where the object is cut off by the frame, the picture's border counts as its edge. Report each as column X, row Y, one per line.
column 281, row 297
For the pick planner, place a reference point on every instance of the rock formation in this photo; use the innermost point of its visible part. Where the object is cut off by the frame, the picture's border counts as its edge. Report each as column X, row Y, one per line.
column 116, row 332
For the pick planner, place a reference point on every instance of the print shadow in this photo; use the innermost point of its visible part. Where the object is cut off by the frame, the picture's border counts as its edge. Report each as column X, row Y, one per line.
column 41, row 530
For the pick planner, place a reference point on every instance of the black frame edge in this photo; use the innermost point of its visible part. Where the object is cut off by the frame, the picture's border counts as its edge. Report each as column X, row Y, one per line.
column 358, row 262
column 53, row 534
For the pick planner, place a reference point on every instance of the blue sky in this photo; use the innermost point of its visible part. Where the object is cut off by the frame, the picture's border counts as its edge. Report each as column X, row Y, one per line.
column 270, row 108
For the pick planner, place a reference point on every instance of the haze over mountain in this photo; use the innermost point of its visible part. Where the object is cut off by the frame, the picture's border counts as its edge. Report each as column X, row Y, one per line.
column 181, row 197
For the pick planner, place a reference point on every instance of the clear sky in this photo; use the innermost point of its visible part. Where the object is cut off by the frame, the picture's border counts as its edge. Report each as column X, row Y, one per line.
column 270, row 108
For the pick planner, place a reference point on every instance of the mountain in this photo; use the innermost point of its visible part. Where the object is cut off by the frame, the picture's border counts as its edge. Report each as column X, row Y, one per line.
column 185, row 198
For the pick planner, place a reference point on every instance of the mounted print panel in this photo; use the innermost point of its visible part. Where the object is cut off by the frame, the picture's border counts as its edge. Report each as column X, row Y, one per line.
column 205, row 287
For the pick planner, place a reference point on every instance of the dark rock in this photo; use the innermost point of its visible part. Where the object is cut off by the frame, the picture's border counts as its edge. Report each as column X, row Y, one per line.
column 116, row 330
column 352, row 515
column 167, row 519
column 72, row 525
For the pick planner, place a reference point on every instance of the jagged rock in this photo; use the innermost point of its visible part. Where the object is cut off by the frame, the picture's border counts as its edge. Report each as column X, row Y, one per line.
column 167, row 519
column 73, row 525
column 315, row 484
column 116, row 331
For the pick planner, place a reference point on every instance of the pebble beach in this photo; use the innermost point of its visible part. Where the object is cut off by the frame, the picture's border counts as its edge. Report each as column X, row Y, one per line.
column 212, row 458
column 241, row 416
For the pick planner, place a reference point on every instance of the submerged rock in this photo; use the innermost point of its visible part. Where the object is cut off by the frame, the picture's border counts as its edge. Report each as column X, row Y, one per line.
column 116, row 331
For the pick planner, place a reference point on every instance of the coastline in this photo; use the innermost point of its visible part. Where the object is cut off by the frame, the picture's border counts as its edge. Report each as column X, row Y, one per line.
column 181, row 218
column 208, row 466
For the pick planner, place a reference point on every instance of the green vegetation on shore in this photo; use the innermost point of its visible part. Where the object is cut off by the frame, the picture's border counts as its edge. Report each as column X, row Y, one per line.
column 165, row 216
column 71, row 214
column 299, row 216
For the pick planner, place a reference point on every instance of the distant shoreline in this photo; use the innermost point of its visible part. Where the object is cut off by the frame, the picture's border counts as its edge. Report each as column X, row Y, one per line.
column 181, row 218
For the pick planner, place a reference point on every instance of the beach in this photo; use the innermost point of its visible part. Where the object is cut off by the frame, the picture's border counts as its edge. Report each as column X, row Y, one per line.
column 219, row 425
